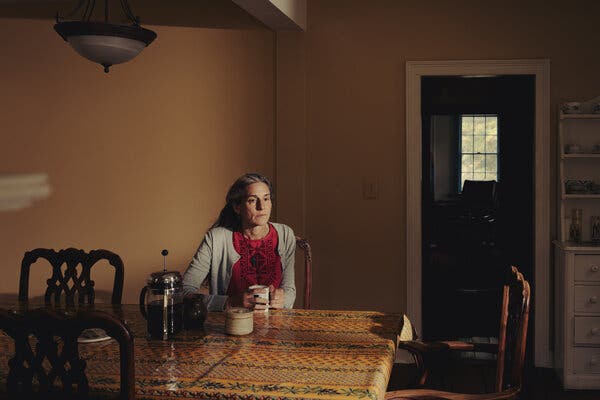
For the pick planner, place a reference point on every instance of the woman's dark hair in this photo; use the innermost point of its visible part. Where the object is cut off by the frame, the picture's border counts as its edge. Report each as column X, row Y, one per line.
column 228, row 218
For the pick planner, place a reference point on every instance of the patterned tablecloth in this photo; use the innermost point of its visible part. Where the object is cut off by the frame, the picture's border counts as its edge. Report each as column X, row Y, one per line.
column 291, row 354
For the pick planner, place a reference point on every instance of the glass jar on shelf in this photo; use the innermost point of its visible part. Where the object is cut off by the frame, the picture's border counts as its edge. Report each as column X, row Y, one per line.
column 575, row 227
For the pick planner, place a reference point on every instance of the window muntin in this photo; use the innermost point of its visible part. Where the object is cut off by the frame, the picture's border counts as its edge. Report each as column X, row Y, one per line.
column 478, row 147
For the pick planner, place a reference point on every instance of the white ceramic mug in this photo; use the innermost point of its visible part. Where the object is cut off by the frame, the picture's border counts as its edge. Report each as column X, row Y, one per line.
column 261, row 291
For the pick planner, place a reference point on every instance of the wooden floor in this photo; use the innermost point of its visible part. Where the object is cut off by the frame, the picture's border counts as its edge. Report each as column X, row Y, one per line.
column 539, row 383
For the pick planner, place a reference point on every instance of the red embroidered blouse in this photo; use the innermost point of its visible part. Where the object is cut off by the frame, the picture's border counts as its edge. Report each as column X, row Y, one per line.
column 259, row 263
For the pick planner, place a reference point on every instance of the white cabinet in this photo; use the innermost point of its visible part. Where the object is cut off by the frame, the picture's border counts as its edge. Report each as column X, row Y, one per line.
column 577, row 272
column 577, row 307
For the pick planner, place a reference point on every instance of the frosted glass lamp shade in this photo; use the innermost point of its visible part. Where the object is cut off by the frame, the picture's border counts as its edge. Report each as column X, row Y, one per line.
column 105, row 44
column 106, row 50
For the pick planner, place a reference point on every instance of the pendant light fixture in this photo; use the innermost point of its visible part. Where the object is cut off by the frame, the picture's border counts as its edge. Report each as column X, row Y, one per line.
column 101, row 42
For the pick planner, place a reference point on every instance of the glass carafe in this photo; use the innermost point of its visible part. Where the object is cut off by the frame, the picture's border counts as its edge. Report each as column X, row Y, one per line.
column 161, row 304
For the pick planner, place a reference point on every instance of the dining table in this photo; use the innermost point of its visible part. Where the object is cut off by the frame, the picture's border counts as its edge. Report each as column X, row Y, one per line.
column 290, row 354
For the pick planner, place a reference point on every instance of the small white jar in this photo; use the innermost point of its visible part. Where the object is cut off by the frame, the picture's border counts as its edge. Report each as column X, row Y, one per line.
column 239, row 321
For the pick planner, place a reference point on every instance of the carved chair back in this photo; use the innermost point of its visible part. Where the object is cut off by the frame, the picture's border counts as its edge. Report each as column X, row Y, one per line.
column 512, row 338
column 303, row 245
column 510, row 351
column 46, row 362
column 480, row 192
column 71, row 277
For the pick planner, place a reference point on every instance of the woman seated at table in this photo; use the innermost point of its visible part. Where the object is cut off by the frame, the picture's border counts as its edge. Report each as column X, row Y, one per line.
column 243, row 249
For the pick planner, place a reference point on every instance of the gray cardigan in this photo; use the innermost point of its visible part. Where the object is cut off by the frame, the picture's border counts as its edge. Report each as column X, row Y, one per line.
column 216, row 255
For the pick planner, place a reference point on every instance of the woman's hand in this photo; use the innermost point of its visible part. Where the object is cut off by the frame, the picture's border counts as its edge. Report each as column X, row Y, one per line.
column 245, row 299
column 276, row 297
column 250, row 299
column 258, row 302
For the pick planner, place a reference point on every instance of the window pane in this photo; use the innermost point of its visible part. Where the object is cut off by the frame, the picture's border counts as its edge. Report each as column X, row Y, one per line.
column 491, row 163
column 467, row 144
column 491, row 144
column 467, row 163
column 489, row 176
column 491, row 125
column 479, row 125
column 478, row 147
column 478, row 163
column 467, row 125
column 479, row 143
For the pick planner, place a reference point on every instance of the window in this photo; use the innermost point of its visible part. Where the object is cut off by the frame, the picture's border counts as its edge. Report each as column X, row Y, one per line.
column 478, row 147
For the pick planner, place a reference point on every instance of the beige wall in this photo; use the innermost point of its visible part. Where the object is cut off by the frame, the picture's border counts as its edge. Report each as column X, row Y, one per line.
column 354, row 54
column 139, row 159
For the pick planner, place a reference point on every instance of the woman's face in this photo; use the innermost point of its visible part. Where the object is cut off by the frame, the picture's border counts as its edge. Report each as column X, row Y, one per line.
column 255, row 208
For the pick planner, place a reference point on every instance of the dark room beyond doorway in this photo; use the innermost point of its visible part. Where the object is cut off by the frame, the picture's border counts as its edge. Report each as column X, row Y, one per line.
column 480, row 129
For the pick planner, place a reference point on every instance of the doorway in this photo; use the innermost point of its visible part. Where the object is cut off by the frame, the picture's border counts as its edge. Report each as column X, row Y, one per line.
column 477, row 198
column 541, row 70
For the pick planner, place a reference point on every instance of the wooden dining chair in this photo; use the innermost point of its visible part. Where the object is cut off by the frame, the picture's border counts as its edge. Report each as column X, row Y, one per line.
column 303, row 245
column 47, row 362
column 509, row 351
column 72, row 283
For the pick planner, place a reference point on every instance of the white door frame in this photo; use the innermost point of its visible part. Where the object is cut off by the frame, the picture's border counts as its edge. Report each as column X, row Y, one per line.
column 541, row 69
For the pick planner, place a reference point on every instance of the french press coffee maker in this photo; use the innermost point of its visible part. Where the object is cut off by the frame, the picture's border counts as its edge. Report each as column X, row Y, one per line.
column 161, row 302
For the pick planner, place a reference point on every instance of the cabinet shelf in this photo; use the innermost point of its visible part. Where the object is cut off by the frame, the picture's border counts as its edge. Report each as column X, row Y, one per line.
column 580, row 155
column 584, row 130
column 582, row 246
column 579, row 116
column 581, row 196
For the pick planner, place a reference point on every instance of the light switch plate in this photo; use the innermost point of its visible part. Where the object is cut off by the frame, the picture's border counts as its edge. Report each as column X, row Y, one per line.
column 370, row 189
